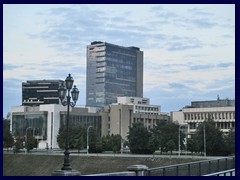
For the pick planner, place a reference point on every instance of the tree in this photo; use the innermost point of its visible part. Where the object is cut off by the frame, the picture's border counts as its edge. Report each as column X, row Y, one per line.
column 99, row 148
column 139, row 139
column 164, row 132
column 77, row 137
column 193, row 145
column 92, row 140
column 115, row 142
column 170, row 146
column 31, row 143
column 215, row 143
column 18, row 144
column 7, row 136
column 230, row 142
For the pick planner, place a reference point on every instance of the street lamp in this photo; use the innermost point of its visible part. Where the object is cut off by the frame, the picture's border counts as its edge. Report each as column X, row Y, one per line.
column 87, row 137
column 179, row 144
column 204, row 139
column 62, row 95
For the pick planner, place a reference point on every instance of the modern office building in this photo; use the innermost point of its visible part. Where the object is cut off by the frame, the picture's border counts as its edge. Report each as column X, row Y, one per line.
column 44, row 121
column 222, row 111
column 37, row 92
column 112, row 71
column 129, row 110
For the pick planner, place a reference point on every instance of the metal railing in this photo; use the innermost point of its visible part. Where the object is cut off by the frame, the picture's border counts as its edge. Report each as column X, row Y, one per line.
column 230, row 172
column 125, row 173
column 214, row 167
column 198, row 168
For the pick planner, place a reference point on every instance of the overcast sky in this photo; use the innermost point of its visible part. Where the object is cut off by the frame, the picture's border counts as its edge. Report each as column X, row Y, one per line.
column 189, row 50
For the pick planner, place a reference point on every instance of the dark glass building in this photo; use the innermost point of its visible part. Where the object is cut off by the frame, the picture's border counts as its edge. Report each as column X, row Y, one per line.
column 38, row 92
column 113, row 71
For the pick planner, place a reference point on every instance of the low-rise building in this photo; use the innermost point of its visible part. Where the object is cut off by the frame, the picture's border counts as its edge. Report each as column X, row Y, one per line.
column 221, row 111
column 44, row 121
column 129, row 110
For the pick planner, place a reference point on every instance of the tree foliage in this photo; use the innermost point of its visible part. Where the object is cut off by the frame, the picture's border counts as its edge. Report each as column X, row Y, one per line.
column 18, row 144
column 140, row 139
column 215, row 144
column 193, row 145
column 31, row 143
column 7, row 136
column 77, row 137
column 230, row 142
column 165, row 132
column 170, row 146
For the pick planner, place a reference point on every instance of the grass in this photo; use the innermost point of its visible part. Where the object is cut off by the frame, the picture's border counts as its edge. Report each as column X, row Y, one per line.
column 44, row 165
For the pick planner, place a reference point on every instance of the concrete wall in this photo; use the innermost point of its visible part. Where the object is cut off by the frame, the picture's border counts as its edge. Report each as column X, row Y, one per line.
column 53, row 124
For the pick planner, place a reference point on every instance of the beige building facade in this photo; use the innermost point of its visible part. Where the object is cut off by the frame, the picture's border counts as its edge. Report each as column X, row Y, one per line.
column 129, row 110
column 223, row 116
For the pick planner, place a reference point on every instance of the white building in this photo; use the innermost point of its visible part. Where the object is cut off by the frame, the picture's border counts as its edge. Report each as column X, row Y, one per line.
column 221, row 111
column 140, row 105
column 44, row 121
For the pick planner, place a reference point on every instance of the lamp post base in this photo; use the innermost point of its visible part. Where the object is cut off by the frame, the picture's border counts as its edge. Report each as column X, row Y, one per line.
column 66, row 173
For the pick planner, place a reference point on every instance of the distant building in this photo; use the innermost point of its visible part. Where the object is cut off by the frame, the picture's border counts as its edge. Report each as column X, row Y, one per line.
column 37, row 92
column 44, row 121
column 129, row 110
column 221, row 111
column 112, row 71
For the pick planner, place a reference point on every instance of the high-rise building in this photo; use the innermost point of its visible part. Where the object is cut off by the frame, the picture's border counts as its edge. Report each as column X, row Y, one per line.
column 113, row 71
column 38, row 92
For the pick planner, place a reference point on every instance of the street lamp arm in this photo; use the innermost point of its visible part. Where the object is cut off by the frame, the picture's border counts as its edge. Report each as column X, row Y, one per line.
column 64, row 102
column 72, row 104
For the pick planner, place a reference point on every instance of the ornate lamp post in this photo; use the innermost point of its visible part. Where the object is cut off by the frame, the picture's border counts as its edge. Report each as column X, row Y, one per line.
column 62, row 95
column 66, row 170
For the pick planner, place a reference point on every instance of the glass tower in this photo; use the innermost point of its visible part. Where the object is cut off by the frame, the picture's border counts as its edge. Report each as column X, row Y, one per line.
column 113, row 71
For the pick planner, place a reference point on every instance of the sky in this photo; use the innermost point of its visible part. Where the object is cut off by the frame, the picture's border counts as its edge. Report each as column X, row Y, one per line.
column 189, row 49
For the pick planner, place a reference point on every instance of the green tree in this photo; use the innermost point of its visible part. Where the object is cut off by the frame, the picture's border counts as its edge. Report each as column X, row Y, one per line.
column 61, row 137
column 18, row 144
column 92, row 140
column 164, row 132
column 115, row 142
column 192, row 145
column 139, row 139
column 31, row 143
column 7, row 136
column 230, row 142
column 99, row 147
column 215, row 144
column 77, row 137
column 170, row 146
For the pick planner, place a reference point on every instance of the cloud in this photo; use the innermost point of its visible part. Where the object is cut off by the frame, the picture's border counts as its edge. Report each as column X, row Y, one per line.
column 188, row 49
column 200, row 11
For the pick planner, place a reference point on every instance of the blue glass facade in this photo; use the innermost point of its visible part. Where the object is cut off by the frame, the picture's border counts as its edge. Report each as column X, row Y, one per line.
column 113, row 71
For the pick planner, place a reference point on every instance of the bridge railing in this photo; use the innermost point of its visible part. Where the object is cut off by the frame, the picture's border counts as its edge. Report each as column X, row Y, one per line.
column 230, row 172
column 198, row 168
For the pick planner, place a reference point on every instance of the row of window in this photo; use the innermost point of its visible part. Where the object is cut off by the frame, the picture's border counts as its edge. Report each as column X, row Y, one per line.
column 214, row 116
column 145, row 108
column 220, row 125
